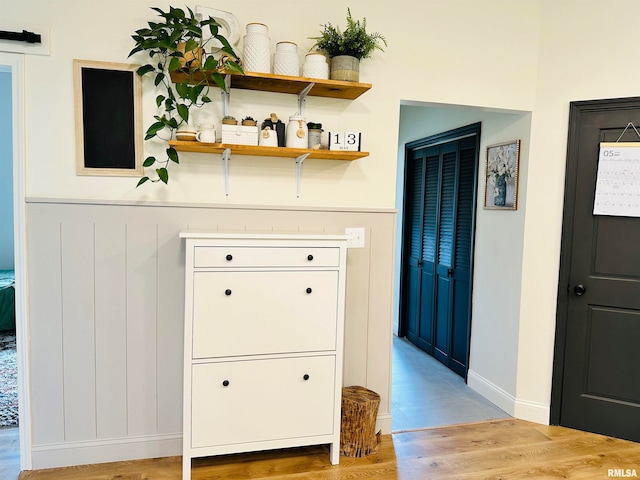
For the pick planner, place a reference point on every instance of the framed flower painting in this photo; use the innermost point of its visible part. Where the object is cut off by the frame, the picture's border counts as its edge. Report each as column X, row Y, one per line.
column 501, row 176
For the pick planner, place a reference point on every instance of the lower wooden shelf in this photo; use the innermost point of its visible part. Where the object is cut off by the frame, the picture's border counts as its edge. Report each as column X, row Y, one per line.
column 200, row 147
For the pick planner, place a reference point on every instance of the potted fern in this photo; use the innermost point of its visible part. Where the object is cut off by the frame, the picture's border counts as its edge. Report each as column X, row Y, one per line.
column 176, row 43
column 346, row 48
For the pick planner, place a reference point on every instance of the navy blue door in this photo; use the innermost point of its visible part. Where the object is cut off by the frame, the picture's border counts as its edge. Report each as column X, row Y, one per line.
column 440, row 192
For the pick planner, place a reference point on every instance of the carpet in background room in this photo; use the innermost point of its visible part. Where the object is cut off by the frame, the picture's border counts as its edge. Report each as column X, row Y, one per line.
column 8, row 380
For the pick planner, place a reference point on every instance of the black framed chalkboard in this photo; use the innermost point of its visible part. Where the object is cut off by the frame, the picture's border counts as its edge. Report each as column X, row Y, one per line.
column 108, row 126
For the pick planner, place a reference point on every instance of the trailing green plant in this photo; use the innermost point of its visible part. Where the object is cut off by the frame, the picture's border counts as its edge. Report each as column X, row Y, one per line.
column 176, row 44
column 353, row 41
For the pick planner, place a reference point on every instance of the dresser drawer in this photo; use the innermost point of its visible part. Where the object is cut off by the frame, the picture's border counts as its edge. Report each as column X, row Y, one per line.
column 230, row 257
column 261, row 312
column 262, row 400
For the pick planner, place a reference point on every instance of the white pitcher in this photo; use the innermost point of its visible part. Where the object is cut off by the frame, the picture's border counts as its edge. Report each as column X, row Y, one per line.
column 206, row 134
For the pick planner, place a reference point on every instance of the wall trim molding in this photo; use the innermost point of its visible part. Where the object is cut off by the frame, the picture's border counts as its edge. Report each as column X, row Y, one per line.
column 141, row 203
column 14, row 63
column 533, row 411
column 384, row 423
column 492, row 392
column 67, row 454
column 518, row 408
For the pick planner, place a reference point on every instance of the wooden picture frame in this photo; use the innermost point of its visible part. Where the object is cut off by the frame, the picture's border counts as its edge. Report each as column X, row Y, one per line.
column 108, row 118
column 501, row 176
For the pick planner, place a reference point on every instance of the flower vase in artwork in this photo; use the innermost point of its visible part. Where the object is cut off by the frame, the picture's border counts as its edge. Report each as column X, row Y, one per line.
column 500, row 191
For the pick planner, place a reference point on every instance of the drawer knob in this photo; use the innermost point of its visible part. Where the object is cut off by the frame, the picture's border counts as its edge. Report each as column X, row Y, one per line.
column 309, row 290
column 225, row 383
column 229, row 257
column 309, row 257
column 227, row 292
column 306, row 376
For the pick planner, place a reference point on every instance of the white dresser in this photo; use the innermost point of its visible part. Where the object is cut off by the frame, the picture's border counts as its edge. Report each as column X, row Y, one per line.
column 264, row 323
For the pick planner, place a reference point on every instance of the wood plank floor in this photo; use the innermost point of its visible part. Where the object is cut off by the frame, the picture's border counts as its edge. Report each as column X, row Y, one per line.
column 499, row 449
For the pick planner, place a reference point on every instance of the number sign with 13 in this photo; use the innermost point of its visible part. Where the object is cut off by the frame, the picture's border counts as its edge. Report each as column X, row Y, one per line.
column 345, row 141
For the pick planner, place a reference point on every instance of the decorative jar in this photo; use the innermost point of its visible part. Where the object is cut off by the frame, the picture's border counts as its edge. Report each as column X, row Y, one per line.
column 315, row 66
column 257, row 49
column 297, row 132
column 285, row 60
column 268, row 138
column 315, row 134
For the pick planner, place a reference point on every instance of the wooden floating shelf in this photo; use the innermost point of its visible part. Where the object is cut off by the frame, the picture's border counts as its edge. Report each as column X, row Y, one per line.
column 200, row 147
column 267, row 82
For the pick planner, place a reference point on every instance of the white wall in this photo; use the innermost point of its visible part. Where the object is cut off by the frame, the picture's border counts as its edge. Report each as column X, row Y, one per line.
column 6, row 174
column 584, row 54
column 436, row 60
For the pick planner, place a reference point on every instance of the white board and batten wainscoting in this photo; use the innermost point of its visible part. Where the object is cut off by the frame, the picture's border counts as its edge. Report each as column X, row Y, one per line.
column 106, row 304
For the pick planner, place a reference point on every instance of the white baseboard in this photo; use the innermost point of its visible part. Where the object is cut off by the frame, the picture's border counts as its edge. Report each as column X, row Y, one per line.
column 102, row 451
column 492, row 392
column 56, row 455
column 533, row 411
column 384, row 423
column 522, row 409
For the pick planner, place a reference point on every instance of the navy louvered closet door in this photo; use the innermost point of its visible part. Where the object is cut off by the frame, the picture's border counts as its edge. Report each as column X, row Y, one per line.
column 438, row 247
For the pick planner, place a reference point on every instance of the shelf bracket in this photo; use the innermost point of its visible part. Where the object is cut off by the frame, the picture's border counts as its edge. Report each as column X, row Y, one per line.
column 299, row 161
column 226, row 156
column 302, row 97
column 225, row 95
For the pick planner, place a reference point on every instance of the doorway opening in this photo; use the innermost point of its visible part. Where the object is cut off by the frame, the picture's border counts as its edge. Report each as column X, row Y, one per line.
column 496, row 277
column 17, row 440
column 9, row 433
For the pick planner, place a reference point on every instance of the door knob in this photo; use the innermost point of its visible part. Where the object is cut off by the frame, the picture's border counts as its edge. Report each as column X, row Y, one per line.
column 579, row 290
column 227, row 292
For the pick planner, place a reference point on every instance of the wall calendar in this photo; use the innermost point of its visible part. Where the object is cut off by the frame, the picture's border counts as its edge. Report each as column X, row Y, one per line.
column 618, row 180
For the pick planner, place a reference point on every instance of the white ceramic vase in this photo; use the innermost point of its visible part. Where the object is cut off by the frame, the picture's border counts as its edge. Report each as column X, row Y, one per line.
column 285, row 60
column 257, row 49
